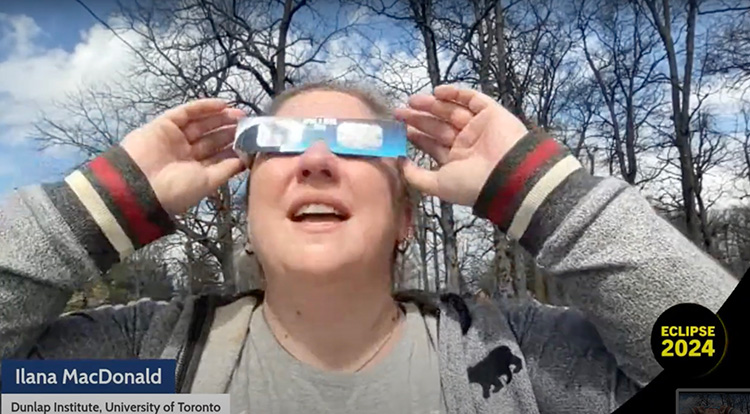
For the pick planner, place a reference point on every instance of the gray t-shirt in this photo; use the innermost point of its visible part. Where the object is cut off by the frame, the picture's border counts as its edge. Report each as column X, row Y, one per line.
column 269, row 380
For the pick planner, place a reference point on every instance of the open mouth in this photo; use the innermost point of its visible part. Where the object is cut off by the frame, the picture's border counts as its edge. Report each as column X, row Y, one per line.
column 318, row 213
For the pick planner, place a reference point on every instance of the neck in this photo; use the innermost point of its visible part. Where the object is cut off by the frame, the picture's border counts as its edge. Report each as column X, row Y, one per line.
column 342, row 324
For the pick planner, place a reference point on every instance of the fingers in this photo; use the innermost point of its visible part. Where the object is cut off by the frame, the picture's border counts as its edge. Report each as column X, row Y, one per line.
column 474, row 100
column 428, row 144
column 473, row 130
column 213, row 142
column 444, row 118
column 456, row 115
column 197, row 128
column 223, row 166
column 423, row 180
column 440, row 130
column 192, row 110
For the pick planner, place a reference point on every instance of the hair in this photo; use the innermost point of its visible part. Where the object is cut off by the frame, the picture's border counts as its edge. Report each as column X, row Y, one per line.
column 374, row 101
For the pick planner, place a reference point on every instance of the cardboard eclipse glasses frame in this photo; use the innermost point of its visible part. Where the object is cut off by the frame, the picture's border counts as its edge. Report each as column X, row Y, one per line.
column 349, row 137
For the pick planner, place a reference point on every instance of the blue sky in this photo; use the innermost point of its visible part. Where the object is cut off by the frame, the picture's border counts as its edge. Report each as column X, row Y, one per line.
column 38, row 37
column 50, row 47
column 60, row 20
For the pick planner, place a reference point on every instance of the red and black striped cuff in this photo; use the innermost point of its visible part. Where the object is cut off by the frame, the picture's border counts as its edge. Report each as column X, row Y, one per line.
column 522, row 194
column 110, row 207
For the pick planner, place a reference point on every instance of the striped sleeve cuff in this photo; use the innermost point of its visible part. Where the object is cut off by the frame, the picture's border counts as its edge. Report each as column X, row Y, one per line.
column 532, row 189
column 110, row 207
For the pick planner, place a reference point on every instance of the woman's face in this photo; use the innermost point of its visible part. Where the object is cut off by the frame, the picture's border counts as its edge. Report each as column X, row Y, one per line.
column 317, row 213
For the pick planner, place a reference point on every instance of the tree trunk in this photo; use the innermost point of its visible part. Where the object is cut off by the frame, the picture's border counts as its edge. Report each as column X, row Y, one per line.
column 609, row 100
column 632, row 163
column 520, row 268
column 279, row 75
column 680, row 94
column 502, row 262
column 512, row 251
column 422, row 14
column 450, row 247
column 488, row 37
column 224, row 227
column 504, row 90
column 435, row 257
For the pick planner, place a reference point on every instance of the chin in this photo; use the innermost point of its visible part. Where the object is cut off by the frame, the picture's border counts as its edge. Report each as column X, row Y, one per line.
column 322, row 260
column 320, row 271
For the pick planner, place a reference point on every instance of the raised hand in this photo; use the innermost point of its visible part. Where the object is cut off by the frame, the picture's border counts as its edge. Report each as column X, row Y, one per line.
column 466, row 132
column 185, row 153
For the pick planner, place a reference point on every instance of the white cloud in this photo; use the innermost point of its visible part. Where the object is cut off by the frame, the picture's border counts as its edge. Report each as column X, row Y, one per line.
column 18, row 34
column 721, row 186
column 723, row 100
column 360, row 15
column 33, row 78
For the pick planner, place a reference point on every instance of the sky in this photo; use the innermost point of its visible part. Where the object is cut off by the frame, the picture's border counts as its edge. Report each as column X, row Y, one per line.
column 47, row 49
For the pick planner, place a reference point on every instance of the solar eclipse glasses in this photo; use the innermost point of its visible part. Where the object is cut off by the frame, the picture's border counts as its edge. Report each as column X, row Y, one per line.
column 348, row 137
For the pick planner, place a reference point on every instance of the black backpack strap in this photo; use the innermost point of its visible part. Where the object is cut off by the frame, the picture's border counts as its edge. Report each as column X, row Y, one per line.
column 462, row 310
column 187, row 361
column 427, row 302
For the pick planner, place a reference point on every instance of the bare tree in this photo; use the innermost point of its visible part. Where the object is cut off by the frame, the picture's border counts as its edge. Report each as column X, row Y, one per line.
column 244, row 51
column 622, row 54
column 743, row 141
column 730, row 50
column 249, row 51
column 441, row 26
column 622, row 84
column 88, row 121
column 680, row 86
column 147, row 273
column 711, row 151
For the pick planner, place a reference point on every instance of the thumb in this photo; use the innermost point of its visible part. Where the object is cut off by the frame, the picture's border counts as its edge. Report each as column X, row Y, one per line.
column 425, row 181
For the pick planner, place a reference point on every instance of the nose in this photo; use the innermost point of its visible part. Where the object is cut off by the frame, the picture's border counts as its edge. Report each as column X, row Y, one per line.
column 318, row 163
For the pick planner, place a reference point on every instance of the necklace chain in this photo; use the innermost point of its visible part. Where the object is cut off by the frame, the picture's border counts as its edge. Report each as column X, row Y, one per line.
column 383, row 342
column 369, row 359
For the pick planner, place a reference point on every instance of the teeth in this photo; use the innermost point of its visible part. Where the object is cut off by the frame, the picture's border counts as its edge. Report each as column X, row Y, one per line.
column 316, row 209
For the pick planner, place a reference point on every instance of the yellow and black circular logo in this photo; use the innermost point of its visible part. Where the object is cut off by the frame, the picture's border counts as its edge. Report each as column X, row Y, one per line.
column 688, row 339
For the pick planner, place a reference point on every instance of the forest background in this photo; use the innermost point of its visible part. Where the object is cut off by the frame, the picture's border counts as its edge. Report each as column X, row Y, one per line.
column 649, row 91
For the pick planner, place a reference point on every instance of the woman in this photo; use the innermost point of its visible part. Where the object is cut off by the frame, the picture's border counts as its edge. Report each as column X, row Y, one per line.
column 328, row 336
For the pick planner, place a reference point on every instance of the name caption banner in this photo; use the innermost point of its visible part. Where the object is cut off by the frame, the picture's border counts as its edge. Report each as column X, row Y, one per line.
column 115, row 403
column 104, row 376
